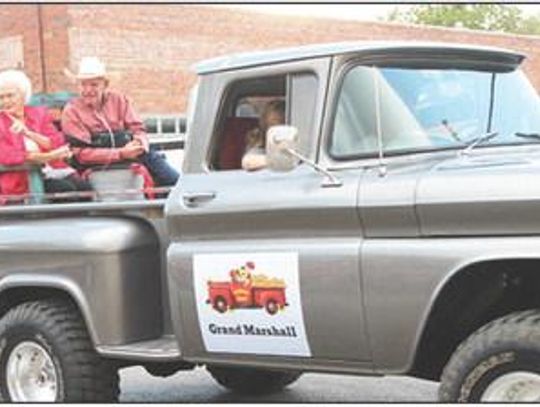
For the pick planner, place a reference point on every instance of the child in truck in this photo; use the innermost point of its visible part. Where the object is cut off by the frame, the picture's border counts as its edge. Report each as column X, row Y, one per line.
column 255, row 157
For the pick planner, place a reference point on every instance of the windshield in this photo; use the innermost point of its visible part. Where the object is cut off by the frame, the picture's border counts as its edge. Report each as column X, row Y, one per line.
column 422, row 109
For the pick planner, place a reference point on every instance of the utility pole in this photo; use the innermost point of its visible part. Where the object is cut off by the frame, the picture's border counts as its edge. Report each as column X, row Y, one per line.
column 41, row 54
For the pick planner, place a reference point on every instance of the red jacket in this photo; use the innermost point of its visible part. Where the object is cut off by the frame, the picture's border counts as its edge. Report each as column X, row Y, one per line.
column 13, row 151
column 116, row 113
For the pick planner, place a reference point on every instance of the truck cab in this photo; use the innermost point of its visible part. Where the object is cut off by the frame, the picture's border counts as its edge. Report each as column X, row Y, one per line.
column 375, row 261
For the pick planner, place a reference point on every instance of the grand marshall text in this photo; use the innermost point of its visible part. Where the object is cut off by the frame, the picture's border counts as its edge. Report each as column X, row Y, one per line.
column 250, row 329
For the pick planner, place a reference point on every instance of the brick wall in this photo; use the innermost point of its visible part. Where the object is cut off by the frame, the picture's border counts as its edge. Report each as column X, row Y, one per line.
column 42, row 59
column 149, row 48
column 55, row 45
column 22, row 21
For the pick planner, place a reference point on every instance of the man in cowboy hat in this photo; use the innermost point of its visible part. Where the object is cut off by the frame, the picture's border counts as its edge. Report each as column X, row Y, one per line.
column 103, row 128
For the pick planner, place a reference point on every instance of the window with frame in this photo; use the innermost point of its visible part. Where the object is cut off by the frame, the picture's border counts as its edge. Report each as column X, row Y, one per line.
column 240, row 115
column 246, row 102
column 426, row 109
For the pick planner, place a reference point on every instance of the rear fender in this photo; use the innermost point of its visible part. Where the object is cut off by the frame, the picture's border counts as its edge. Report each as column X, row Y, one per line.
column 110, row 266
column 32, row 281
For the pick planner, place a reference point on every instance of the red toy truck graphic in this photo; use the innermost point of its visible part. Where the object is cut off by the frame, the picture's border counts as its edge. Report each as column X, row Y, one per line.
column 246, row 290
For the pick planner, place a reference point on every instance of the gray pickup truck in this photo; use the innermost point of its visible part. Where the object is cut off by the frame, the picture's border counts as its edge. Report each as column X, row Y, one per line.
column 396, row 230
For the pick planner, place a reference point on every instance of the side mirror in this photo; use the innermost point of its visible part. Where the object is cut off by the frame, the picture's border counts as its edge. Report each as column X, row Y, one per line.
column 280, row 140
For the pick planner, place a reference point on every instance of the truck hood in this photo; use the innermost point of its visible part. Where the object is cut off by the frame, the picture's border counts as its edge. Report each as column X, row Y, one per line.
column 493, row 191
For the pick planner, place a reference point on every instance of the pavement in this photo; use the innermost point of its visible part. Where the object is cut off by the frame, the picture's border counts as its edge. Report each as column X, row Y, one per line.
column 197, row 386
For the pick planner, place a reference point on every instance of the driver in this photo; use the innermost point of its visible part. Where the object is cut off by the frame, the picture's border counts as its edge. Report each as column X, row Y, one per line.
column 255, row 156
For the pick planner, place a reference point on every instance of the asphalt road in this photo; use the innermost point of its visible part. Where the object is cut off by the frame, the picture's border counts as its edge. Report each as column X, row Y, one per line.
column 197, row 386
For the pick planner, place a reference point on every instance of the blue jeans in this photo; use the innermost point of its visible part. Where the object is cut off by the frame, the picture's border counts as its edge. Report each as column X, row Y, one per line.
column 163, row 174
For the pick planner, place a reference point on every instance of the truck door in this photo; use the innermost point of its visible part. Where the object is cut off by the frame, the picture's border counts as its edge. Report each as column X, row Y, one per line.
column 397, row 124
column 286, row 244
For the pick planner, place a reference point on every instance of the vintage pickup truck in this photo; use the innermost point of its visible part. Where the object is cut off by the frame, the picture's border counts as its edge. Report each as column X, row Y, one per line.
column 400, row 209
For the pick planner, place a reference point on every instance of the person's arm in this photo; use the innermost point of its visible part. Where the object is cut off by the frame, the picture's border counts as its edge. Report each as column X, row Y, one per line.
column 49, row 133
column 134, row 123
column 97, row 155
column 255, row 154
column 43, row 141
column 12, row 156
column 44, row 157
column 107, row 155
column 254, row 159
column 72, row 126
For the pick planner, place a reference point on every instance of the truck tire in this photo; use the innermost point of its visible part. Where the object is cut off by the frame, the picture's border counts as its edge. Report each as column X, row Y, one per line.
column 252, row 381
column 499, row 362
column 272, row 306
column 221, row 305
column 46, row 355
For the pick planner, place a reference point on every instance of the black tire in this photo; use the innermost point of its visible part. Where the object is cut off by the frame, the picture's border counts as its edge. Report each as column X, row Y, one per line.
column 506, row 345
column 57, row 328
column 221, row 305
column 252, row 381
column 271, row 306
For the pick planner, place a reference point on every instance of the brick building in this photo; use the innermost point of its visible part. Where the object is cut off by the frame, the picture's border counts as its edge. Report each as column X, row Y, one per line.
column 149, row 48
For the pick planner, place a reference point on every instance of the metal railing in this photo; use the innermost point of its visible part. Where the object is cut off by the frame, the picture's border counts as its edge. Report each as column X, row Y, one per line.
column 33, row 198
column 166, row 132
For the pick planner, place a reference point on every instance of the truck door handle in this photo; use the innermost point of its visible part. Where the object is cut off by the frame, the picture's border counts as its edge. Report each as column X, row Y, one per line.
column 195, row 198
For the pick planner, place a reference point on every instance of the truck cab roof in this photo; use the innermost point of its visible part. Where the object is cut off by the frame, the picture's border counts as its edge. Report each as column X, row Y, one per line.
column 251, row 59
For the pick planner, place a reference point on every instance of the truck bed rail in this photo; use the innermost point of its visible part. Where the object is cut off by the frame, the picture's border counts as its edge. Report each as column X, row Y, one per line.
column 78, row 207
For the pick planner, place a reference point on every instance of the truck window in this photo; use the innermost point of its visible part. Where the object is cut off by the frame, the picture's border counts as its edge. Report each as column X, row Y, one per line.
column 425, row 109
column 357, row 118
column 251, row 106
column 244, row 104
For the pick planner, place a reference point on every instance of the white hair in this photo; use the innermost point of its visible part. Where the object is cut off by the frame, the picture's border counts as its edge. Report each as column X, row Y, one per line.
column 13, row 77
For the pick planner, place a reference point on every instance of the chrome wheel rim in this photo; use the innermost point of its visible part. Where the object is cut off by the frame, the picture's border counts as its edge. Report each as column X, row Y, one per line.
column 30, row 374
column 514, row 387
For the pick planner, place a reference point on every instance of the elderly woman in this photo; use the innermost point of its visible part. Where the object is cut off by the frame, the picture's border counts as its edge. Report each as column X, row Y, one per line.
column 255, row 157
column 28, row 137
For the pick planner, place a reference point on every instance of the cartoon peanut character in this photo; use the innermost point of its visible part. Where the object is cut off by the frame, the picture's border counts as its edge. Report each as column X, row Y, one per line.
column 241, row 283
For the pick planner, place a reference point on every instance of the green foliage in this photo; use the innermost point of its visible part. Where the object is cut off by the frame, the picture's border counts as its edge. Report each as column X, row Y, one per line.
column 491, row 17
column 530, row 26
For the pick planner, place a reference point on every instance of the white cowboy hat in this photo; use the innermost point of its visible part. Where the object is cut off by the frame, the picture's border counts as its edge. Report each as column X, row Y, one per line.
column 91, row 67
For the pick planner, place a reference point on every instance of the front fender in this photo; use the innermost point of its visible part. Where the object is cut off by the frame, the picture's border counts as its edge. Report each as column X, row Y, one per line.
column 404, row 277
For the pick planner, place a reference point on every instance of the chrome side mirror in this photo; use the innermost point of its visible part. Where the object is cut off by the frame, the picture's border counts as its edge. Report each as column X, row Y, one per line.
column 279, row 141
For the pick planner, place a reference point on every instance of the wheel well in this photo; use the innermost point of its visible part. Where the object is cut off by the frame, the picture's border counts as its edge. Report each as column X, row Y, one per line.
column 471, row 298
column 17, row 295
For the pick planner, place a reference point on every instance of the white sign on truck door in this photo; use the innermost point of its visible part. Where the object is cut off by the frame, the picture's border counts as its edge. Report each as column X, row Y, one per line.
column 250, row 303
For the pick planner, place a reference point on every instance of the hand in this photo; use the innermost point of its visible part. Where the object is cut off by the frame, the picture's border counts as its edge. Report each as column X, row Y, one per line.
column 61, row 153
column 133, row 144
column 131, row 150
column 138, row 142
column 18, row 127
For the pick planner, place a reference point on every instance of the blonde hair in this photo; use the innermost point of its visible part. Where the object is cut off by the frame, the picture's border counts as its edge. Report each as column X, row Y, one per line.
column 257, row 136
column 13, row 77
